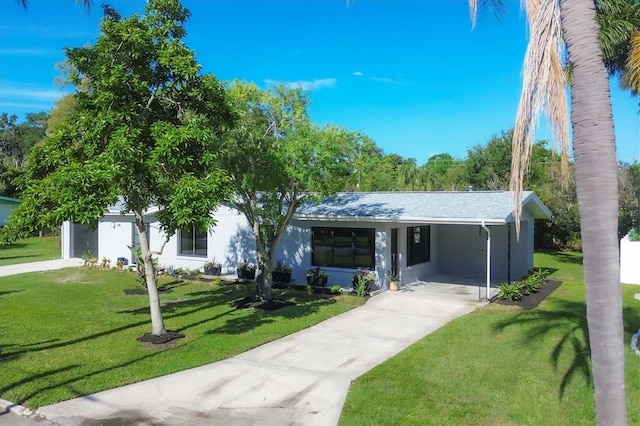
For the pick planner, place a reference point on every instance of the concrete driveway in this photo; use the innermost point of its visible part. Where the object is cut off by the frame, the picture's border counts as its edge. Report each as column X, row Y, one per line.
column 45, row 265
column 301, row 379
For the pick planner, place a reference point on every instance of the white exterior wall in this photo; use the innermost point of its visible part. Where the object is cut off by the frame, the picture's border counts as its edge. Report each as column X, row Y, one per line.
column 66, row 240
column 629, row 261
column 228, row 242
column 114, row 235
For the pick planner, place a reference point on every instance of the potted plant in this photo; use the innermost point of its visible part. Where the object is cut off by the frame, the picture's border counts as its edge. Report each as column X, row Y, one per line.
column 246, row 270
column 364, row 275
column 317, row 277
column 281, row 273
column 394, row 282
column 213, row 268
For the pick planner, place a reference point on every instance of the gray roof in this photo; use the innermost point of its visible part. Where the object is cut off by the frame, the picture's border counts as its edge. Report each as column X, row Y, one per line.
column 9, row 200
column 431, row 207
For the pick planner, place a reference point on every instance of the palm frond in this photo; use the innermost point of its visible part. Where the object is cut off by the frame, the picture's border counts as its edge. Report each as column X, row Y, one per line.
column 498, row 8
column 86, row 4
column 632, row 73
column 544, row 87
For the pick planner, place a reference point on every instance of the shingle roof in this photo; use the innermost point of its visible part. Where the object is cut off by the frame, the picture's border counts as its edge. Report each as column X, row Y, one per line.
column 434, row 207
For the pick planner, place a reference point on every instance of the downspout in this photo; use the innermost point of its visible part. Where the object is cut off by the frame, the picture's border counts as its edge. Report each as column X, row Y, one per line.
column 486, row 228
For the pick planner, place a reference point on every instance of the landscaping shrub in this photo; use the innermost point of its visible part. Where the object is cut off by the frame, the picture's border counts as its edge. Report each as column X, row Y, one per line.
column 509, row 291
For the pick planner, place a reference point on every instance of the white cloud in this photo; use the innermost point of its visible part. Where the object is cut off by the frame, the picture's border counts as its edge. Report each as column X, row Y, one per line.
column 383, row 79
column 358, row 73
column 305, row 85
column 25, row 105
column 31, row 94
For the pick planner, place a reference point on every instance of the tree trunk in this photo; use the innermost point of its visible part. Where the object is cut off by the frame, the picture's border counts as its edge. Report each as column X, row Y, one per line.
column 157, row 324
column 264, row 280
column 597, row 189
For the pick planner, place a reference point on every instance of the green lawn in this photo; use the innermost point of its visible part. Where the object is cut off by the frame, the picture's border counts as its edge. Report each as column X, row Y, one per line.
column 73, row 332
column 499, row 366
column 32, row 249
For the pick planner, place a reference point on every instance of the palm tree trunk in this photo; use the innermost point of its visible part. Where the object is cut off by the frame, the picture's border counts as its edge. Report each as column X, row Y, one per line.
column 597, row 189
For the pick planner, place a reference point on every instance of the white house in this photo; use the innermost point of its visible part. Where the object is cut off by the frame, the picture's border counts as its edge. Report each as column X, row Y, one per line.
column 416, row 235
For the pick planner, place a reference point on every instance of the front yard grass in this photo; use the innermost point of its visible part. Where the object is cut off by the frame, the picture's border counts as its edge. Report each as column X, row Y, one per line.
column 499, row 365
column 32, row 249
column 73, row 332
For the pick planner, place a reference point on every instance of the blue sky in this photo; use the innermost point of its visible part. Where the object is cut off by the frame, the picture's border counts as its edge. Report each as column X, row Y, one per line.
column 412, row 75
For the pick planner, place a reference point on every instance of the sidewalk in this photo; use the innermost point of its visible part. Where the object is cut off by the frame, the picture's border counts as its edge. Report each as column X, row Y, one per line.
column 45, row 265
column 301, row 379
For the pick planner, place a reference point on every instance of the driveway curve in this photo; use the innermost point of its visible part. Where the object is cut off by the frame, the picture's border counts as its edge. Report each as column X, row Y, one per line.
column 301, row 379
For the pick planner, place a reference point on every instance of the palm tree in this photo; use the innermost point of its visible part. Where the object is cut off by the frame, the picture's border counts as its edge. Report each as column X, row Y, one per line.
column 84, row 3
column 619, row 22
column 594, row 150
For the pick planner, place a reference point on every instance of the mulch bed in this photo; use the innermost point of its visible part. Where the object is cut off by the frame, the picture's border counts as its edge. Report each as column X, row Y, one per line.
column 143, row 291
column 252, row 302
column 160, row 339
column 532, row 300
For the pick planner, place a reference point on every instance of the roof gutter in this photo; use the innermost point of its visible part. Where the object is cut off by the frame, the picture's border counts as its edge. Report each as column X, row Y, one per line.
column 432, row 221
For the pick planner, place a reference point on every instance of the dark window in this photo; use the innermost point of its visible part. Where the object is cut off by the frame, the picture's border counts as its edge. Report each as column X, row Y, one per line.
column 343, row 247
column 418, row 244
column 193, row 242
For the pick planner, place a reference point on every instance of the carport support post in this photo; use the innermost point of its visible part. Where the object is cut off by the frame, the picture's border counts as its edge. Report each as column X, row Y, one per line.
column 486, row 228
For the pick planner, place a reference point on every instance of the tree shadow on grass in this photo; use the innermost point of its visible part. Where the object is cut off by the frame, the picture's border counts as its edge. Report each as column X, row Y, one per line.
column 65, row 383
column 22, row 256
column 2, row 293
column 567, row 257
column 258, row 317
column 12, row 246
column 42, row 346
column 569, row 319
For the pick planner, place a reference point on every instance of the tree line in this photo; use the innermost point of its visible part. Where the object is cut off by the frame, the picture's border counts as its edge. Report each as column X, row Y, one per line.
column 486, row 167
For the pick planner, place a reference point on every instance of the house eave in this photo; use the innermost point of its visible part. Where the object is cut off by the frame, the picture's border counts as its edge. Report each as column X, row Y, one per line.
column 405, row 219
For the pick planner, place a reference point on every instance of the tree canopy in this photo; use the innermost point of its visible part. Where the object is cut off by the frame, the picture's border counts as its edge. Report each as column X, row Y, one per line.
column 277, row 159
column 142, row 134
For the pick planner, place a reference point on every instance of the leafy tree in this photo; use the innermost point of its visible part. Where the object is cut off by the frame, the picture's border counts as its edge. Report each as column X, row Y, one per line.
column 407, row 174
column 552, row 25
column 277, row 160
column 144, row 133
column 64, row 107
column 16, row 140
column 372, row 169
column 629, row 188
column 31, row 131
column 488, row 167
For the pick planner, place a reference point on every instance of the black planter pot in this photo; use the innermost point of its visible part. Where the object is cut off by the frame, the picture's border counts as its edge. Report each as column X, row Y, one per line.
column 245, row 274
column 316, row 281
column 213, row 270
column 281, row 277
